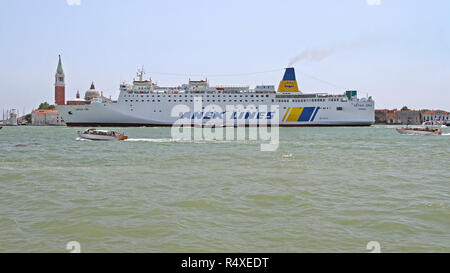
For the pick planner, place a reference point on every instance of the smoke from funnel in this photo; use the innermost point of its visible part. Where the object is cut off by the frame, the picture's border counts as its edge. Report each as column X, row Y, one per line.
column 315, row 55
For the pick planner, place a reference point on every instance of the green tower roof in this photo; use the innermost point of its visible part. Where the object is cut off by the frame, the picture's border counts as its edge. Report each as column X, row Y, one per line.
column 59, row 69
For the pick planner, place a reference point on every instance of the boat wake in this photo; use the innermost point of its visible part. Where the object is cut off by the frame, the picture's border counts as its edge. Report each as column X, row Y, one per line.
column 160, row 140
column 83, row 139
column 169, row 140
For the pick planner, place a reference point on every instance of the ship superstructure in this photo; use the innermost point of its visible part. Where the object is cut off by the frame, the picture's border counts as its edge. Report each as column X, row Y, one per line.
column 144, row 103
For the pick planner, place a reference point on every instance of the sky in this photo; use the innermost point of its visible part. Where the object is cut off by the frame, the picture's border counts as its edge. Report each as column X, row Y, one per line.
column 396, row 51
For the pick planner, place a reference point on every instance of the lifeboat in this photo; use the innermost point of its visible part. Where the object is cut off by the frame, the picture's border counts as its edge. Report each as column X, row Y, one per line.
column 94, row 134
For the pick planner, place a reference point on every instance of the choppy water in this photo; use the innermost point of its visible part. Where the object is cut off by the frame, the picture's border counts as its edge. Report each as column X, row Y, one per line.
column 324, row 189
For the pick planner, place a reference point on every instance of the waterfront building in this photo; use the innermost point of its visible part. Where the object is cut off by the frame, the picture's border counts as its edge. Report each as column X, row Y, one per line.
column 385, row 116
column 46, row 117
column 408, row 117
column 436, row 115
column 78, row 100
column 92, row 93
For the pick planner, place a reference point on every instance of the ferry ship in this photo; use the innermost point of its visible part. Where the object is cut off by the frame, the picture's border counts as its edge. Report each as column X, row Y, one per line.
column 144, row 103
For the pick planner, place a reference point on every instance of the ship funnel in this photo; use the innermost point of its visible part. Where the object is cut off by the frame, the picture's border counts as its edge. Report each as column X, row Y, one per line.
column 288, row 83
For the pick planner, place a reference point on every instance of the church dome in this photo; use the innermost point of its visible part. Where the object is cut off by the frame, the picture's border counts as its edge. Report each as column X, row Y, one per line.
column 91, row 93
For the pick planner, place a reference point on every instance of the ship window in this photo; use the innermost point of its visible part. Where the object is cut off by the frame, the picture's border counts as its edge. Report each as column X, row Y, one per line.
column 169, row 100
column 126, row 100
column 158, row 100
column 339, row 108
column 148, row 100
column 153, row 100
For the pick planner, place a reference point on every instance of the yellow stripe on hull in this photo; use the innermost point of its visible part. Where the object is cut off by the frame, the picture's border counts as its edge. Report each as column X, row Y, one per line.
column 285, row 114
column 295, row 114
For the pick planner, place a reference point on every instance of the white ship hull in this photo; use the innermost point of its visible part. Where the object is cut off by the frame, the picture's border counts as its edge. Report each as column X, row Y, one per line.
column 160, row 114
column 145, row 104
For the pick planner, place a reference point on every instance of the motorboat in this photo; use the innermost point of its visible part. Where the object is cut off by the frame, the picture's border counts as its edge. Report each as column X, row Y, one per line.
column 423, row 131
column 94, row 134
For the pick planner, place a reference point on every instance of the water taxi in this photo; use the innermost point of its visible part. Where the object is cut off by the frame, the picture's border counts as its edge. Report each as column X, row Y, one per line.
column 94, row 134
column 423, row 131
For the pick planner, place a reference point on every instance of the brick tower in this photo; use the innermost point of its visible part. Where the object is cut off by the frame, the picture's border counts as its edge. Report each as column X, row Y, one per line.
column 60, row 87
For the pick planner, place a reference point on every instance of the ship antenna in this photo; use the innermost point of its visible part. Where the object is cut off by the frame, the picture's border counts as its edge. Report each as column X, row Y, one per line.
column 140, row 73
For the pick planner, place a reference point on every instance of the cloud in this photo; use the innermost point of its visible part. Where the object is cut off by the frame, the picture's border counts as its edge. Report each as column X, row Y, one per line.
column 373, row 2
column 73, row 2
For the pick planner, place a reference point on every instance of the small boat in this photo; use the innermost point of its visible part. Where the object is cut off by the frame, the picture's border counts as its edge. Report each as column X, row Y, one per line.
column 94, row 134
column 422, row 131
column 1, row 127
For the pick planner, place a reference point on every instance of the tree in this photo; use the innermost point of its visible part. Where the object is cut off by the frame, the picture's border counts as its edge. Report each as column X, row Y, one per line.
column 46, row 106
column 28, row 118
column 405, row 108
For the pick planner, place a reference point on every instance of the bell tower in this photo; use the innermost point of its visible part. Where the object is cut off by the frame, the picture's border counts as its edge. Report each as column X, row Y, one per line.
column 60, row 86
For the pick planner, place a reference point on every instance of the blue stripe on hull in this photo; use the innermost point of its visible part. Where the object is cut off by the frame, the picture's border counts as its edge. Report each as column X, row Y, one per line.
column 315, row 113
column 306, row 114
